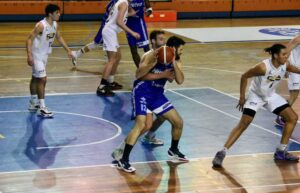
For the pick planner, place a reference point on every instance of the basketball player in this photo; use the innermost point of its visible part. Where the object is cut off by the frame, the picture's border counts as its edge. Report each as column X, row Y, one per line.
column 38, row 46
column 149, row 94
column 266, row 76
column 115, row 23
column 98, row 40
column 293, row 48
column 138, row 24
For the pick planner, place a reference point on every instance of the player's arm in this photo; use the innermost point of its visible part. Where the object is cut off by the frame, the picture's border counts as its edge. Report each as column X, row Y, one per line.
column 61, row 40
column 121, row 12
column 179, row 76
column 148, row 61
column 38, row 30
column 293, row 43
column 149, row 9
column 168, row 74
column 292, row 68
column 257, row 70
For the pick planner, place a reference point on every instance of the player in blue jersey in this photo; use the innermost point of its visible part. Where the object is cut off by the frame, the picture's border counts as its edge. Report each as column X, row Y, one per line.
column 149, row 94
column 98, row 40
column 137, row 23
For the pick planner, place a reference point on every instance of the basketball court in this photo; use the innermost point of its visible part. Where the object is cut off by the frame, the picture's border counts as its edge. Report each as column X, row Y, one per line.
column 71, row 153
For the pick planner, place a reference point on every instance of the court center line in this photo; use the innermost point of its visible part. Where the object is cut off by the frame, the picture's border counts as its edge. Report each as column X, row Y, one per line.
column 230, row 115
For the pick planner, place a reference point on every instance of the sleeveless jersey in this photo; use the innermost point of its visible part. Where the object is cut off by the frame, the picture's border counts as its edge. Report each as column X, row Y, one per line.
column 138, row 6
column 42, row 43
column 154, row 86
column 266, row 85
column 111, row 21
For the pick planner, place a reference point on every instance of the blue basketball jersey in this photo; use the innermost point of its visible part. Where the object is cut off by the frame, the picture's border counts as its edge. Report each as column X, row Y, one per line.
column 154, row 86
column 138, row 6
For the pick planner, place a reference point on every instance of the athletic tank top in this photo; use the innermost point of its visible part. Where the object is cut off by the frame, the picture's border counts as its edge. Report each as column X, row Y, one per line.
column 138, row 6
column 111, row 21
column 42, row 43
column 265, row 85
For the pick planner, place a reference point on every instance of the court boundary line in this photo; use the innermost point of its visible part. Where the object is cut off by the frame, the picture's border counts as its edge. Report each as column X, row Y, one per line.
column 135, row 163
column 230, row 115
column 249, row 187
column 86, row 93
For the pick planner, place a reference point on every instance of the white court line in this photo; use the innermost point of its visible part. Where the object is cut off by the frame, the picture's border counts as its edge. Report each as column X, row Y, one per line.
column 87, row 93
column 135, row 163
column 119, row 129
column 230, row 115
column 61, row 77
column 94, row 76
column 248, row 187
column 213, row 69
column 65, row 58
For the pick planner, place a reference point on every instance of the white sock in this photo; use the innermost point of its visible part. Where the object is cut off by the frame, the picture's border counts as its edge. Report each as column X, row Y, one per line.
column 33, row 99
column 224, row 149
column 122, row 145
column 42, row 103
column 79, row 53
column 150, row 134
column 111, row 78
column 282, row 147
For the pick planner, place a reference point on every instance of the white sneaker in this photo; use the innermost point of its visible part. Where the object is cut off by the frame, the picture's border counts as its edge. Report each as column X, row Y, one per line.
column 117, row 154
column 74, row 60
column 44, row 112
column 33, row 107
column 152, row 140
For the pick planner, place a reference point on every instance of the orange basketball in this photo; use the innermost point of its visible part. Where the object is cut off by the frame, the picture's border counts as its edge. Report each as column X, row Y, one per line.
column 165, row 55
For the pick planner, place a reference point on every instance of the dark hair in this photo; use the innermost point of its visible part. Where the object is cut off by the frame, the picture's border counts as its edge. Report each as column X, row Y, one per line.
column 275, row 49
column 51, row 8
column 174, row 41
column 155, row 33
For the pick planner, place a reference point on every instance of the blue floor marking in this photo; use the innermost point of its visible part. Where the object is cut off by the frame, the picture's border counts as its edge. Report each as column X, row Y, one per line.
column 205, row 130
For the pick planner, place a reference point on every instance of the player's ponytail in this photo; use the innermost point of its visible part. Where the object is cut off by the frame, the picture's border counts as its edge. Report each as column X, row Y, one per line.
column 275, row 49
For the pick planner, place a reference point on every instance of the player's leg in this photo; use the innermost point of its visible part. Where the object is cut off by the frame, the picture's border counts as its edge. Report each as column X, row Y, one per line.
column 177, row 126
column 280, row 107
column 111, row 79
column 251, row 106
column 139, row 112
column 111, row 46
column 150, row 137
column 293, row 86
column 33, row 102
column 98, row 40
column 39, row 72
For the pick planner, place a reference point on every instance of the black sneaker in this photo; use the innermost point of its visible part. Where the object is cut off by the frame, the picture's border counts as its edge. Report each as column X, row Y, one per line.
column 176, row 154
column 125, row 166
column 105, row 91
column 218, row 160
column 115, row 86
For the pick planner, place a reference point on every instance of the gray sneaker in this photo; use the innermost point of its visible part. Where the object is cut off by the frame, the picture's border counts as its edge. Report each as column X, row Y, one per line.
column 117, row 154
column 218, row 160
column 152, row 140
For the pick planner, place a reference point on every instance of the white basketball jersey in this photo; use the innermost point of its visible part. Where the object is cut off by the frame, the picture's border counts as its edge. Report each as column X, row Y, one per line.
column 42, row 43
column 111, row 21
column 265, row 86
column 294, row 58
